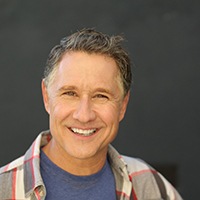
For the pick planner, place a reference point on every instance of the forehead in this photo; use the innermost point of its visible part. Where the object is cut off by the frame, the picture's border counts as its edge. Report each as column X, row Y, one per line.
column 86, row 67
column 91, row 70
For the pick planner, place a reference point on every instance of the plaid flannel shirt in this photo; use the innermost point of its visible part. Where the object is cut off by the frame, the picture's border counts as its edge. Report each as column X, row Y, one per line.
column 134, row 179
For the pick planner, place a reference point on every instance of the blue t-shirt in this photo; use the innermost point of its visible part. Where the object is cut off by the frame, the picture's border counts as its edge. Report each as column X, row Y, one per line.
column 61, row 185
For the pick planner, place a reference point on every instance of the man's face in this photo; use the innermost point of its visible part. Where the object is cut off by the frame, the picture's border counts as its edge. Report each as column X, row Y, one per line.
column 85, row 104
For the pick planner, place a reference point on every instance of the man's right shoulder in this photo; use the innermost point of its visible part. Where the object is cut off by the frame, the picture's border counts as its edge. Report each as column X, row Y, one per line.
column 17, row 163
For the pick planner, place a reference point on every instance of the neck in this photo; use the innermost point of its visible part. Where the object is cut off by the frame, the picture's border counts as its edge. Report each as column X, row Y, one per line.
column 76, row 166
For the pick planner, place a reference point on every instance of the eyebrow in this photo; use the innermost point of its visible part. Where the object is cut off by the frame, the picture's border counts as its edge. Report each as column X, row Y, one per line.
column 103, row 90
column 64, row 88
column 111, row 93
column 99, row 89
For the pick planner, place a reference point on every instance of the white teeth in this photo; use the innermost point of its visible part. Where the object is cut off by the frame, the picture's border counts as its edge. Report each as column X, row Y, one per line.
column 83, row 132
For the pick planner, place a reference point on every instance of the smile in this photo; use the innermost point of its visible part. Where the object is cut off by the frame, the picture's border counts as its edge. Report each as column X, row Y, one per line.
column 82, row 132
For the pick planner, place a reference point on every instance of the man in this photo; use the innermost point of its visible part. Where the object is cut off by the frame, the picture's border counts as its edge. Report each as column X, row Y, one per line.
column 86, row 90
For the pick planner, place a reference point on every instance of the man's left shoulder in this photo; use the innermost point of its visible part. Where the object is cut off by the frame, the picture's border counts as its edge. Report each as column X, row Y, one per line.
column 136, row 165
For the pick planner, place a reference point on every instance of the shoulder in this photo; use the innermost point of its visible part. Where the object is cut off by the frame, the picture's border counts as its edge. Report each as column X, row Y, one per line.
column 12, row 179
column 8, row 175
column 142, row 173
column 17, row 163
column 136, row 165
column 34, row 150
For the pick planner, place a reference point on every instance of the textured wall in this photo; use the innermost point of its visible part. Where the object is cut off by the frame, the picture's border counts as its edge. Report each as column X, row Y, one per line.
column 162, row 122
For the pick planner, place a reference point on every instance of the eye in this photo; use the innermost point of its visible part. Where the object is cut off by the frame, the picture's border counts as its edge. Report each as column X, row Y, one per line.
column 101, row 96
column 70, row 93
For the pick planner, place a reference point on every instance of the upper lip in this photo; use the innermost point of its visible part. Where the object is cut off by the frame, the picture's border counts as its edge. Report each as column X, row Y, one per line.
column 73, row 127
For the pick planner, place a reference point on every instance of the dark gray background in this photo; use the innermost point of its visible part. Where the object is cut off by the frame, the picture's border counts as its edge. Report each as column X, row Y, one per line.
column 162, row 122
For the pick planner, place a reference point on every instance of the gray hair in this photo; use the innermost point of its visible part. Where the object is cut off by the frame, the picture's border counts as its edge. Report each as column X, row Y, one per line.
column 91, row 41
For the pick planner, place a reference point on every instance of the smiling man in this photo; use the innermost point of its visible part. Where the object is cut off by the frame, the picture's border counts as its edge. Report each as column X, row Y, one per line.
column 86, row 90
column 85, row 105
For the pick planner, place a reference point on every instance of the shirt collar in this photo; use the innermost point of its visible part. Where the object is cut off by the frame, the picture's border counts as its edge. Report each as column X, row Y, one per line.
column 32, row 177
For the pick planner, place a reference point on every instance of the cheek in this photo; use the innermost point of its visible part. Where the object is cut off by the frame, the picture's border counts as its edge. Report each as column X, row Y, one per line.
column 59, row 110
column 109, row 114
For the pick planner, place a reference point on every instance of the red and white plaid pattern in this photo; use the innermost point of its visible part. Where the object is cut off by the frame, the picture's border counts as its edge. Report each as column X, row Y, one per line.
column 21, row 179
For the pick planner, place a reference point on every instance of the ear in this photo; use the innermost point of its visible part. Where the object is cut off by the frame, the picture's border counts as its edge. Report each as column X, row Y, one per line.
column 124, row 106
column 45, row 96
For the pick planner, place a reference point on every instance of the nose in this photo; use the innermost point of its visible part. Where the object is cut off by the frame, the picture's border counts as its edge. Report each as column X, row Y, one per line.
column 84, row 112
